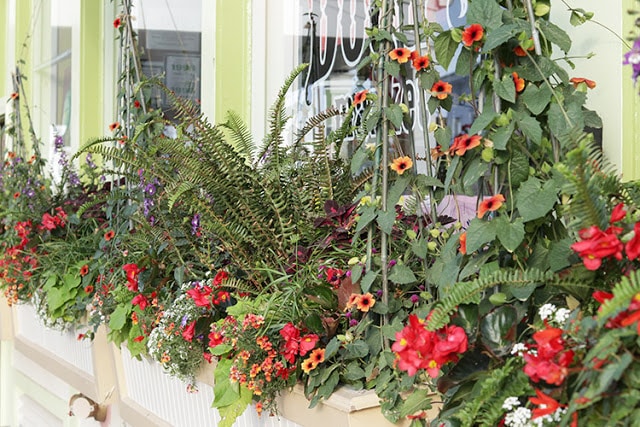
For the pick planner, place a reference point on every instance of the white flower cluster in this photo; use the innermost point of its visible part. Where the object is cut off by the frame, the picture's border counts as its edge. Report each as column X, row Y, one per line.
column 518, row 348
column 553, row 314
column 166, row 344
column 519, row 416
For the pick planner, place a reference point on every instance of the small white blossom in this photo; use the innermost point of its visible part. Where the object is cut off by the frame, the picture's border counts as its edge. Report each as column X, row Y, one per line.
column 546, row 311
column 519, row 349
column 510, row 403
column 562, row 315
column 521, row 417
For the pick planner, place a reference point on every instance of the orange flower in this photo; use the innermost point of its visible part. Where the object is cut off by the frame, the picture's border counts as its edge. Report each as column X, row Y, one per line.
column 400, row 54
column 365, row 302
column 577, row 80
column 88, row 289
column 519, row 51
column 518, row 82
column 109, row 235
column 360, row 97
column 401, row 164
column 463, row 143
column 472, row 33
column 113, row 126
column 441, row 89
column 14, row 96
column 546, row 404
column 317, row 355
column 309, row 365
column 353, row 301
column 421, row 62
column 84, row 270
column 16, row 194
column 490, row 204
column 463, row 243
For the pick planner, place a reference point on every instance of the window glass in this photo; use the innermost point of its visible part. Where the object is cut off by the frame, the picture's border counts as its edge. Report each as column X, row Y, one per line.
column 54, row 68
column 331, row 38
column 169, row 33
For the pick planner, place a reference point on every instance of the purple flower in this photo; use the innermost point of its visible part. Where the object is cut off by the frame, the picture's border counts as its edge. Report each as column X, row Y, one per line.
column 633, row 58
column 184, row 320
column 58, row 142
column 353, row 322
column 195, row 223
column 415, row 298
column 150, row 189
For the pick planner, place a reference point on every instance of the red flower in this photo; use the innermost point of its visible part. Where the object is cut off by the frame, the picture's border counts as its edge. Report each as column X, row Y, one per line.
column 139, row 338
column 441, row 89
column 464, row 142
column 109, row 235
column 132, row 271
column 576, row 81
column 215, row 339
column 88, row 289
column 360, row 97
column 201, row 295
column 136, row 104
column 117, row 23
column 632, row 247
column 14, row 96
column 207, row 356
column 518, row 82
column 334, row 275
column 547, row 405
column 421, row 62
column 220, row 277
column 188, row 332
column 113, row 126
column 618, row 213
column 84, row 270
column 472, row 33
column 602, row 296
column 490, row 204
column 307, row 343
column 141, row 301
column 463, row 243
column 49, row 222
column 597, row 245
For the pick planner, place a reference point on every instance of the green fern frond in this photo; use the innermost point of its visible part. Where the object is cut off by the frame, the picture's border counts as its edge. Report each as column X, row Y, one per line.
column 241, row 138
column 624, row 292
column 471, row 292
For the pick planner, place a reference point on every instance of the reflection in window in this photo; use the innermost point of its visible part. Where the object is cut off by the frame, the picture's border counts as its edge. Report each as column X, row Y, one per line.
column 332, row 37
column 169, row 34
column 54, row 69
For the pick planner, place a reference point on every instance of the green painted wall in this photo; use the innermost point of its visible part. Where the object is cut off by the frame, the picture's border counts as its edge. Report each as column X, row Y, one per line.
column 233, row 59
column 630, row 111
column 91, row 70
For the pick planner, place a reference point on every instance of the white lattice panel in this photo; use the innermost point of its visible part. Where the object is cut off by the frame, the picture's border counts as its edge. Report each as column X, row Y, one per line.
column 62, row 344
column 167, row 398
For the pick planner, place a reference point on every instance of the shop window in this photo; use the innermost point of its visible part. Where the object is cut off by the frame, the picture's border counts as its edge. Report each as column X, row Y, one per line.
column 331, row 38
column 169, row 36
column 53, row 69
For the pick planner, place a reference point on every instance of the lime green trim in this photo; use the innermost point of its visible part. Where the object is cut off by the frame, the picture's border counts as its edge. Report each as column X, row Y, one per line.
column 3, row 46
column 91, row 70
column 23, row 39
column 233, row 59
column 630, row 109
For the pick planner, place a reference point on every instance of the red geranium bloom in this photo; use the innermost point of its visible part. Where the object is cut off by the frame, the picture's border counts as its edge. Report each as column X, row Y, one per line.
column 441, row 89
column 490, row 204
column 400, row 54
column 360, row 97
column 188, row 332
column 421, row 62
column 472, row 33
column 547, row 405
column 201, row 296
column 618, row 213
column 49, row 222
column 632, row 247
column 220, row 277
column 141, row 301
column 597, row 245
column 132, row 271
